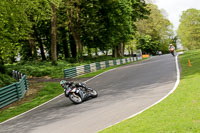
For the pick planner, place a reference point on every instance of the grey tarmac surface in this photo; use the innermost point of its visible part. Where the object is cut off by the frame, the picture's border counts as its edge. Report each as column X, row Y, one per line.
column 122, row 92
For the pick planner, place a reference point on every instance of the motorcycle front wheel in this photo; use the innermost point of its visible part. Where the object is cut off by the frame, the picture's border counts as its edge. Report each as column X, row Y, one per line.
column 93, row 93
column 75, row 98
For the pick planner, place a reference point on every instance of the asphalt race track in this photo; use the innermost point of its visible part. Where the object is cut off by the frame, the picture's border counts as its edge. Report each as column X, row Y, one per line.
column 122, row 92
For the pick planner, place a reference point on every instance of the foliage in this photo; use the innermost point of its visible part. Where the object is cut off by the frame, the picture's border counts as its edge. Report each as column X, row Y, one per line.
column 20, row 25
column 147, row 45
column 99, row 25
column 189, row 29
column 117, row 30
column 14, row 26
column 40, row 33
column 154, row 33
column 131, row 46
column 5, row 80
column 44, row 68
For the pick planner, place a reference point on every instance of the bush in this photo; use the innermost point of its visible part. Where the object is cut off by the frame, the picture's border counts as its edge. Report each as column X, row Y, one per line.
column 6, row 80
column 39, row 72
column 45, row 68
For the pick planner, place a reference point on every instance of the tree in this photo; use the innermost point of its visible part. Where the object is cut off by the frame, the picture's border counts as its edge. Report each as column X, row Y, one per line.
column 63, row 32
column 29, row 26
column 147, row 45
column 157, row 28
column 14, row 27
column 115, row 31
column 73, row 12
column 53, row 34
column 41, row 12
column 189, row 29
column 39, row 15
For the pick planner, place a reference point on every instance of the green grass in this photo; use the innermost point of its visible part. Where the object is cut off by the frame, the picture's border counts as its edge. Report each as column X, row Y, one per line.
column 45, row 68
column 180, row 50
column 178, row 113
column 49, row 91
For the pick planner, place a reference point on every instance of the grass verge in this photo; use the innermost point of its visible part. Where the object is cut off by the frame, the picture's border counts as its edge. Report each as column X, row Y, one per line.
column 178, row 113
column 49, row 91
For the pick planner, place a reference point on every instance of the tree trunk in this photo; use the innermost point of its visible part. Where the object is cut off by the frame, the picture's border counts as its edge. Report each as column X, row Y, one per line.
column 2, row 67
column 65, row 43
column 96, row 51
column 79, row 48
column 53, row 35
column 33, row 51
column 89, row 52
column 73, row 15
column 66, row 49
column 131, row 51
column 72, row 46
column 29, row 52
column 42, row 52
column 123, row 48
column 106, row 53
column 39, row 40
column 41, row 47
column 114, row 52
column 120, row 50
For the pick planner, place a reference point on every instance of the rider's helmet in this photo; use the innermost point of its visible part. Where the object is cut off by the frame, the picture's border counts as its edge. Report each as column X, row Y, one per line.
column 63, row 82
column 170, row 44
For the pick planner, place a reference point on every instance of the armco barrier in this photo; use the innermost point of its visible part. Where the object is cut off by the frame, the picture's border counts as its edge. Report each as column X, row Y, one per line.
column 13, row 92
column 80, row 70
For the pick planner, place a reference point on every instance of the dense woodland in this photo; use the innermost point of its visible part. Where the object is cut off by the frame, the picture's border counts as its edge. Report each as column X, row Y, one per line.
column 62, row 29
column 51, row 35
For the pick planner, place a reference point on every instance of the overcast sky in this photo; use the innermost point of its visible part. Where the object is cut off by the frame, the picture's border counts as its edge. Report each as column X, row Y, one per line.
column 174, row 8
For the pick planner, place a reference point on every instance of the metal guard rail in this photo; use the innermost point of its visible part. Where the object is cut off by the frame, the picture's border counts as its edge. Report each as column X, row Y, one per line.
column 80, row 70
column 13, row 92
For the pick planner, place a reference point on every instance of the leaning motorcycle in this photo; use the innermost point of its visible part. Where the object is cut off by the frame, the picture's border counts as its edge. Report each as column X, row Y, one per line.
column 172, row 51
column 77, row 92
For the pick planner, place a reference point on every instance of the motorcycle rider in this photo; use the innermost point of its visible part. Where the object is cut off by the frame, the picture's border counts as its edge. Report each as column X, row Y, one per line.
column 171, row 49
column 83, row 92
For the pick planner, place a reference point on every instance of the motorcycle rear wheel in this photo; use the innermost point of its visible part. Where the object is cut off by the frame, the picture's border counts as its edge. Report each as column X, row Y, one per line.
column 75, row 98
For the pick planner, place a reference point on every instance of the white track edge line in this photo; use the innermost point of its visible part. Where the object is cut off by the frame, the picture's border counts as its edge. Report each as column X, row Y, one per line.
column 54, row 98
column 174, row 88
column 30, row 109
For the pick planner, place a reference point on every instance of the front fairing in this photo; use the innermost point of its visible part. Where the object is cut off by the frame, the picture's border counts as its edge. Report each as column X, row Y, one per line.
column 67, row 91
column 70, row 90
column 84, row 95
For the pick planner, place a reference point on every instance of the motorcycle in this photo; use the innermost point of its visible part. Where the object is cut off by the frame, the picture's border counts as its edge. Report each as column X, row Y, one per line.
column 172, row 51
column 77, row 92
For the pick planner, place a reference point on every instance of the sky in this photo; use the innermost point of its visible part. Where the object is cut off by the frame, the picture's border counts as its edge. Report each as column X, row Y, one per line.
column 174, row 8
